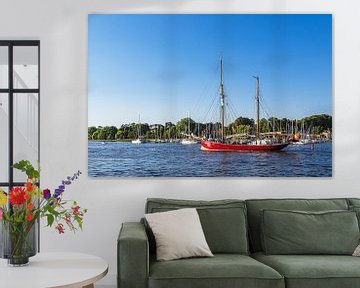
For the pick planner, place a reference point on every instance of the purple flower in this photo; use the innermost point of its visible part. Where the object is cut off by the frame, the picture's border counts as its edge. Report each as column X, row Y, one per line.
column 58, row 192
column 64, row 183
column 46, row 194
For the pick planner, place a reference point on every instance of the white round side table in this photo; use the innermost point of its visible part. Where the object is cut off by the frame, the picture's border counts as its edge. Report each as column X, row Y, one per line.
column 50, row 270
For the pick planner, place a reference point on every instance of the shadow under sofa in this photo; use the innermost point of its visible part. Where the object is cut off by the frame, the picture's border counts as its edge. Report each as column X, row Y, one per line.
column 232, row 229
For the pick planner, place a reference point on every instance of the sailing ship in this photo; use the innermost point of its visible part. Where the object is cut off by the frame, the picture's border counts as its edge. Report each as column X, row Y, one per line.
column 259, row 144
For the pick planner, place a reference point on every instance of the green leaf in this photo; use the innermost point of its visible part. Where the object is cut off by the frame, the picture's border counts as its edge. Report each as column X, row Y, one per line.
column 28, row 168
column 50, row 219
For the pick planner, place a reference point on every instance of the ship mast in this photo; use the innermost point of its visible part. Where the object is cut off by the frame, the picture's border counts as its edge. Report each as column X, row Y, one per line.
column 222, row 105
column 257, row 97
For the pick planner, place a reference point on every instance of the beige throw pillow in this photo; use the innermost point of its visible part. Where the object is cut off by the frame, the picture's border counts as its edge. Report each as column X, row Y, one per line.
column 178, row 234
column 357, row 251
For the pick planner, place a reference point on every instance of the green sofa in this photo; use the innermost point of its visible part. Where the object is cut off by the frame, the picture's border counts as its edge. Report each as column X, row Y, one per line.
column 234, row 230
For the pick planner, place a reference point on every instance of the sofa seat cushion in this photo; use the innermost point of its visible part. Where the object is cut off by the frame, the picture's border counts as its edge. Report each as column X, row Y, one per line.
column 222, row 270
column 313, row 271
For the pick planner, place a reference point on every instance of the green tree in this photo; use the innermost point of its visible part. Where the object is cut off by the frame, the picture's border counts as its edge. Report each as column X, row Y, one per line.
column 110, row 132
column 182, row 126
column 91, row 131
column 95, row 135
column 244, row 121
column 264, row 125
column 102, row 134
column 323, row 121
column 119, row 135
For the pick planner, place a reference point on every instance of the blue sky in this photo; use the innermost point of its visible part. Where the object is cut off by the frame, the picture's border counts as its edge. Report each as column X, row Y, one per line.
column 163, row 67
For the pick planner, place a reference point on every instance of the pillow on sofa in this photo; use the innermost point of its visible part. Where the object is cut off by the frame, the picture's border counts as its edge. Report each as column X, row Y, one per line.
column 356, row 209
column 178, row 234
column 357, row 251
column 299, row 232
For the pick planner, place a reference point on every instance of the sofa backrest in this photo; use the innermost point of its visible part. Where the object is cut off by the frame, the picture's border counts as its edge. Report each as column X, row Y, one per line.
column 353, row 202
column 256, row 205
column 224, row 222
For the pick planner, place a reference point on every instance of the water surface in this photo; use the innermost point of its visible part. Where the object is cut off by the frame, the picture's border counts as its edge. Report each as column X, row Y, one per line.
column 173, row 159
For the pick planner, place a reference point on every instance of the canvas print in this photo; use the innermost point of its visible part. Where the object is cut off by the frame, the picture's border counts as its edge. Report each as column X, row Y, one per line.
column 210, row 95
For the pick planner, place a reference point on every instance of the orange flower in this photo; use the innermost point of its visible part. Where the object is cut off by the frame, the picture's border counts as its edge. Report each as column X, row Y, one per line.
column 29, row 217
column 27, row 196
column 29, row 186
column 29, row 206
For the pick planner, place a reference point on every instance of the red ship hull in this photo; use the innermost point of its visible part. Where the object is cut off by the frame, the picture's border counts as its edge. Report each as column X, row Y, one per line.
column 223, row 147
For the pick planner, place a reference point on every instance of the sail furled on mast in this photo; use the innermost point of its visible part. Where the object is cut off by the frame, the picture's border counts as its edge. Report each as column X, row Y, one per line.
column 257, row 98
column 222, row 104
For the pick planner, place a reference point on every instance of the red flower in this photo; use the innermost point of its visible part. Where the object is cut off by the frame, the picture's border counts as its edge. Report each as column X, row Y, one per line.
column 29, row 206
column 27, row 196
column 17, row 196
column 29, row 217
column 75, row 209
column 29, row 186
column 68, row 219
column 60, row 228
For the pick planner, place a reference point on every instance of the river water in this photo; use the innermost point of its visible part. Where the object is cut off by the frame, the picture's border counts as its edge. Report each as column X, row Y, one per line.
column 122, row 159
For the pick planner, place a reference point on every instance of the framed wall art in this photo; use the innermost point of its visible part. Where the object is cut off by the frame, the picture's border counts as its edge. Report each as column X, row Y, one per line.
column 210, row 95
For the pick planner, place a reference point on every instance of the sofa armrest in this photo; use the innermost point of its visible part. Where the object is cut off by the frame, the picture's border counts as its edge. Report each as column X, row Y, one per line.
column 133, row 256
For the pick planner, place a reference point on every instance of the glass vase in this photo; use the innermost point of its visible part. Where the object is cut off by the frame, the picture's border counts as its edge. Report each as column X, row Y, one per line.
column 18, row 242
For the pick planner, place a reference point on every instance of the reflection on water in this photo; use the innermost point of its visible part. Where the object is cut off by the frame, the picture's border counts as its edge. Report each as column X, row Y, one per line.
column 144, row 160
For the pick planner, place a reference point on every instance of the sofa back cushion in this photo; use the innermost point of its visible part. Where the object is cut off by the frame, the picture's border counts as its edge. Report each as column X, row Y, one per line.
column 298, row 232
column 354, row 205
column 255, row 206
column 223, row 222
column 353, row 201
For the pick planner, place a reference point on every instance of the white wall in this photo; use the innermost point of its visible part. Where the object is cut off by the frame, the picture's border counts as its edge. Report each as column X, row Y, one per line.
column 61, row 25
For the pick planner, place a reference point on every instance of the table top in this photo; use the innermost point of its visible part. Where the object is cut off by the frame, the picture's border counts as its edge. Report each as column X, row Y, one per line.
column 67, row 270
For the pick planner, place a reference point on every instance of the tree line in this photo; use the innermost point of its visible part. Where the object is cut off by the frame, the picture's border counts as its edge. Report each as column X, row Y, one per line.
column 314, row 124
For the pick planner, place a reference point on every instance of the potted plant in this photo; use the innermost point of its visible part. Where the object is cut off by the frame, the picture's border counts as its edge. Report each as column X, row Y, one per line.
column 21, row 208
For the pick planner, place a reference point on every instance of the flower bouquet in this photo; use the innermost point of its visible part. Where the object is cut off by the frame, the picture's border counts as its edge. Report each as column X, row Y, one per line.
column 21, row 208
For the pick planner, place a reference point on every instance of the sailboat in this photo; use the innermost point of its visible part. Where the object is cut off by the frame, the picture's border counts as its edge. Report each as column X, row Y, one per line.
column 189, row 140
column 259, row 144
column 138, row 140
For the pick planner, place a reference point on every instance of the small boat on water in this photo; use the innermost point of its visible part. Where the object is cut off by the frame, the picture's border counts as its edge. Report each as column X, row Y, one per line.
column 138, row 140
column 259, row 144
column 188, row 141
